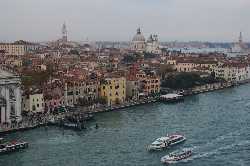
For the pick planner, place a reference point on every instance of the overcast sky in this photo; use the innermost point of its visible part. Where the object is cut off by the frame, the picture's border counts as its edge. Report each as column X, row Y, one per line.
column 182, row 20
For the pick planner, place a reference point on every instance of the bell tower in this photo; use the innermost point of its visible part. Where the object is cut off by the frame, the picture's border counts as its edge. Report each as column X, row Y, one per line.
column 64, row 33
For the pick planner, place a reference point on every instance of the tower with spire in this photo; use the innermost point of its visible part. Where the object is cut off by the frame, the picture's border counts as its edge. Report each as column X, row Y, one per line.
column 240, row 39
column 64, row 33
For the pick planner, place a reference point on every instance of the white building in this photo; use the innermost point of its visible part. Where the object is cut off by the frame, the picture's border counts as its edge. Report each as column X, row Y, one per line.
column 233, row 72
column 239, row 48
column 152, row 45
column 33, row 102
column 18, row 48
column 138, row 43
column 10, row 97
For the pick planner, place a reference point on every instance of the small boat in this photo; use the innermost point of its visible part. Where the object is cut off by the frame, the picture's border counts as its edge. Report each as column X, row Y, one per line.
column 164, row 142
column 89, row 117
column 177, row 156
column 12, row 146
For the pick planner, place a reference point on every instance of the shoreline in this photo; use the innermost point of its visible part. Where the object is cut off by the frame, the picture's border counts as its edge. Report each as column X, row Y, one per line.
column 194, row 91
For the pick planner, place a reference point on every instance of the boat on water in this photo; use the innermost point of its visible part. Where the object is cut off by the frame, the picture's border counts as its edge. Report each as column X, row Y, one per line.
column 176, row 156
column 13, row 146
column 164, row 142
column 88, row 117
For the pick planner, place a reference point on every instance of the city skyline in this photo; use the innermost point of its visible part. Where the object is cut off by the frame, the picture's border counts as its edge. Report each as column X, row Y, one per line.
column 118, row 20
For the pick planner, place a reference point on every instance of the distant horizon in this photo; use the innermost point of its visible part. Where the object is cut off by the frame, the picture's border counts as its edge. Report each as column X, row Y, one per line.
column 170, row 41
column 146, row 35
column 117, row 20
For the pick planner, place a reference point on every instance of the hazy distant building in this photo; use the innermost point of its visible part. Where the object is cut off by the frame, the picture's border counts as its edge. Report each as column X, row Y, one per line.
column 240, row 46
column 138, row 43
column 152, row 45
column 18, row 48
column 64, row 34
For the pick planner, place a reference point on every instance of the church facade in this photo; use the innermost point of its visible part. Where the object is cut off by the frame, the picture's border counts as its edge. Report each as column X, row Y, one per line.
column 140, row 45
column 10, row 98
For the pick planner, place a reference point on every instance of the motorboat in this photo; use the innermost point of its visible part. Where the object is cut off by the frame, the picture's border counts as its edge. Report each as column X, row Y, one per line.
column 176, row 156
column 12, row 146
column 164, row 142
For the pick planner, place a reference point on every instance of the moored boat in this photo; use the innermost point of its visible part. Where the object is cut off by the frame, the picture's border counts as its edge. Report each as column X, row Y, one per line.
column 177, row 156
column 164, row 142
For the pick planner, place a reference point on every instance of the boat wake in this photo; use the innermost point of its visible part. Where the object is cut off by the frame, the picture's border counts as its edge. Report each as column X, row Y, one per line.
column 248, row 105
column 218, row 140
column 217, row 151
column 215, row 146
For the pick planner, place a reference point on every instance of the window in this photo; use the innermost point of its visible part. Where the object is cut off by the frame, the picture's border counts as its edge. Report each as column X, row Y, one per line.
column 12, row 110
column 12, row 93
column 37, row 105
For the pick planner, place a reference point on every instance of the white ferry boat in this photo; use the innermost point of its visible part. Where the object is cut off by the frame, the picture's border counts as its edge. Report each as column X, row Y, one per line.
column 177, row 156
column 164, row 142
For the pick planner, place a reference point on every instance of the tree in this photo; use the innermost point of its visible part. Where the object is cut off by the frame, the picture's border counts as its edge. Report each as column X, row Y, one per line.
column 149, row 55
column 131, row 58
column 165, row 69
column 186, row 80
column 74, row 52
column 35, row 78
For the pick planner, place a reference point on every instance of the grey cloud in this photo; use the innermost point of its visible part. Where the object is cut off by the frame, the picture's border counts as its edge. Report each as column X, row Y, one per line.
column 207, row 20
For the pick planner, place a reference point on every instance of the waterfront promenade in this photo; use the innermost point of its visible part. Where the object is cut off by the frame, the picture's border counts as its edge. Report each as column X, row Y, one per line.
column 31, row 122
column 215, row 124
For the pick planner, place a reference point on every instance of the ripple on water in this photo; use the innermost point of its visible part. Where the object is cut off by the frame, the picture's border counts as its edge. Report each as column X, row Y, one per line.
column 216, row 125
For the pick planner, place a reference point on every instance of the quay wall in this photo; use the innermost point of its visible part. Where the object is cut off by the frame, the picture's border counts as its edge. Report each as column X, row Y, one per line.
column 189, row 92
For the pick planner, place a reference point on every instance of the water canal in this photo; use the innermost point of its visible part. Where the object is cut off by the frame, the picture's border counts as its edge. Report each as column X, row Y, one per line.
column 216, row 124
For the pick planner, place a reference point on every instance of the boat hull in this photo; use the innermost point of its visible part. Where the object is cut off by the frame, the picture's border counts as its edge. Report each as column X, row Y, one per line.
column 172, row 159
column 13, row 147
column 165, row 145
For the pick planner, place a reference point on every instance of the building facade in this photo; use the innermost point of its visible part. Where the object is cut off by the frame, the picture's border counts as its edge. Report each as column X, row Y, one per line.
column 33, row 102
column 138, row 43
column 150, row 85
column 10, row 98
column 232, row 72
column 74, row 91
column 153, row 45
column 132, row 88
column 113, row 90
column 18, row 48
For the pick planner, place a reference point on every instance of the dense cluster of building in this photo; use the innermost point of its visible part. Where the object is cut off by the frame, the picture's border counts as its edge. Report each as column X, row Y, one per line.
column 64, row 73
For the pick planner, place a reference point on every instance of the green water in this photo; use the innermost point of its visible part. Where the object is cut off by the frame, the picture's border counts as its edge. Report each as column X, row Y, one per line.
column 216, row 124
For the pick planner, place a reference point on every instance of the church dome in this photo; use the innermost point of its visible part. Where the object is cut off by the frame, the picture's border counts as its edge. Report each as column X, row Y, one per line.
column 138, row 37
